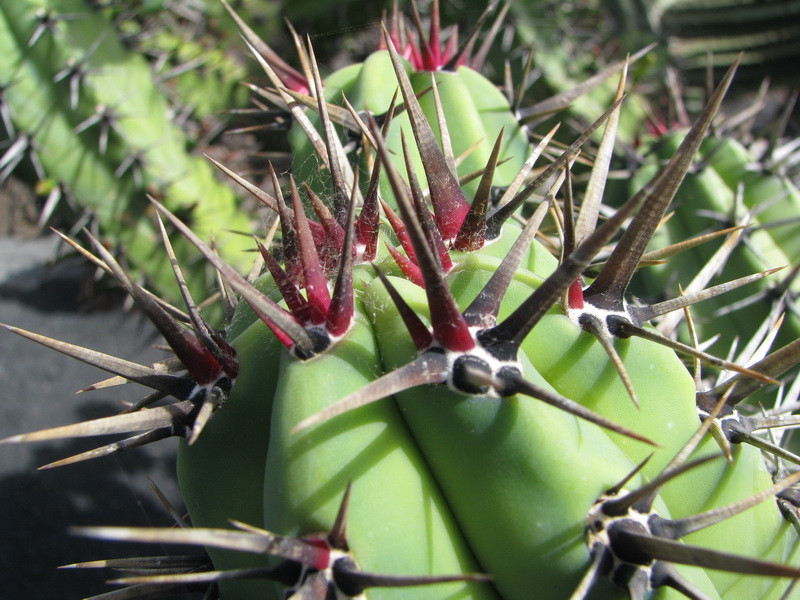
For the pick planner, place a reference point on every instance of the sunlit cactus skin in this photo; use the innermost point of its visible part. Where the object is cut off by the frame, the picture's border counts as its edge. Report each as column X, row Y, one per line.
column 475, row 109
column 431, row 420
column 91, row 114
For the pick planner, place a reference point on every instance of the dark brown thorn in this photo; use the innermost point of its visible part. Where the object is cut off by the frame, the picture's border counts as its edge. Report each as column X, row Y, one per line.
column 740, row 432
column 645, row 495
column 174, row 415
column 262, row 542
column 314, row 275
column 290, row 244
column 642, row 314
column 614, row 278
column 513, row 330
column 503, row 213
column 427, row 368
column 295, row 301
column 342, row 307
column 665, row 574
column 449, row 203
column 449, row 327
column 432, row 234
column 613, row 491
column 277, row 318
column 221, row 351
column 479, row 58
column 335, row 152
column 136, row 441
column 659, row 548
column 621, row 327
column 200, row 363
column 483, row 310
column 593, row 325
column 774, row 365
column 472, row 234
column 148, row 400
column 256, row 191
column 367, row 226
column 595, row 187
column 179, row 387
column 420, row 334
column 288, row 75
column 515, row 384
column 519, row 178
column 174, row 312
column 564, row 99
column 337, row 537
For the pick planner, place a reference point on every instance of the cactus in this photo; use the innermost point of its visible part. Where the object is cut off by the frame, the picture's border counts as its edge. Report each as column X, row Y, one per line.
column 729, row 187
column 436, row 406
column 90, row 115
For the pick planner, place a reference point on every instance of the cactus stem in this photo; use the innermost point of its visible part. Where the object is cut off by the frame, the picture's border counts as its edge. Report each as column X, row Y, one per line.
column 622, row 525
column 449, row 204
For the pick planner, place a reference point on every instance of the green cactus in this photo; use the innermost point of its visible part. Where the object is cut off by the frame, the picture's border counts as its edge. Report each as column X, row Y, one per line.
column 89, row 112
column 728, row 187
column 436, row 406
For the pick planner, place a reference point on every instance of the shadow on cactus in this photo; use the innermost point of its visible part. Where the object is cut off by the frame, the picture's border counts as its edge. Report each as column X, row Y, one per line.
column 465, row 381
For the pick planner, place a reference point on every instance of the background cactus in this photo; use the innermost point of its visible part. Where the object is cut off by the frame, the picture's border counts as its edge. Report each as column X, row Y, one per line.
column 508, row 418
column 98, row 129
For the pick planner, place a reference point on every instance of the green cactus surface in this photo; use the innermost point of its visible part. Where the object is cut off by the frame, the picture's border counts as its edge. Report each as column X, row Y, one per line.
column 90, row 113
